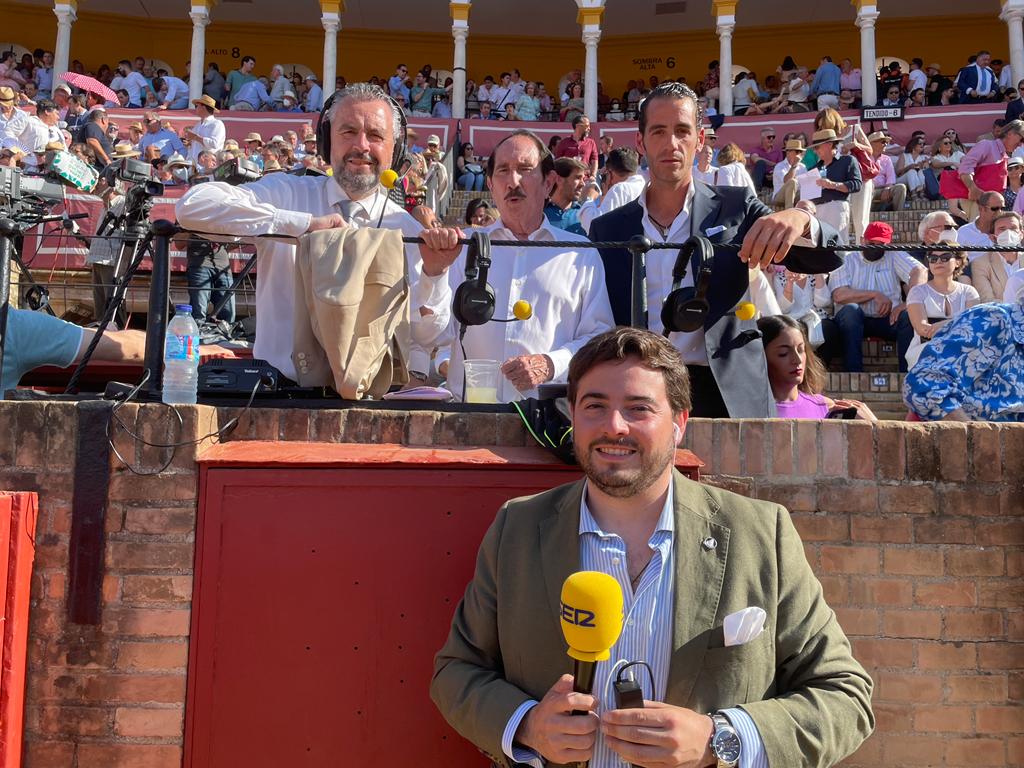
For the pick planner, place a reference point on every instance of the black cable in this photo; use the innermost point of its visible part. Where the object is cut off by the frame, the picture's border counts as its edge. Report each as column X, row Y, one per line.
column 219, row 433
column 645, row 665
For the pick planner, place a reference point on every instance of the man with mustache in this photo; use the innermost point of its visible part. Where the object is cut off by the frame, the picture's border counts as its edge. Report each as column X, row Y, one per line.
column 364, row 124
column 565, row 287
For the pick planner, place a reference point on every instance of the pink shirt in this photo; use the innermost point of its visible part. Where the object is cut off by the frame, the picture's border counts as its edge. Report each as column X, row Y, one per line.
column 850, row 80
column 886, row 176
column 987, row 152
column 804, row 407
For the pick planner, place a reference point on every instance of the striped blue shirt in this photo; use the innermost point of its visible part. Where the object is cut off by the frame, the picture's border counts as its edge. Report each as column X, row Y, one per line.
column 646, row 635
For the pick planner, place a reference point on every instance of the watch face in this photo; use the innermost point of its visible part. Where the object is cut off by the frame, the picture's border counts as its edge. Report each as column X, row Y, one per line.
column 726, row 746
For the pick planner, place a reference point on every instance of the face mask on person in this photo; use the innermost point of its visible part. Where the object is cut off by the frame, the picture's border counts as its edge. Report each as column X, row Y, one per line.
column 1009, row 237
column 873, row 254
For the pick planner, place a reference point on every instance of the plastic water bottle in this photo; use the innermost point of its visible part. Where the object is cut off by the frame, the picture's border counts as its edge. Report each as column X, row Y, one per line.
column 181, row 357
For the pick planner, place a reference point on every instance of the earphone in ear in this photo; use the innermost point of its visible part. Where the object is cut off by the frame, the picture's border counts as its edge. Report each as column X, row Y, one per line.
column 677, row 433
column 686, row 309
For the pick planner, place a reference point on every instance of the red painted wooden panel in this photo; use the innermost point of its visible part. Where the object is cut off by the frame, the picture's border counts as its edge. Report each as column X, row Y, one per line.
column 18, row 513
column 321, row 598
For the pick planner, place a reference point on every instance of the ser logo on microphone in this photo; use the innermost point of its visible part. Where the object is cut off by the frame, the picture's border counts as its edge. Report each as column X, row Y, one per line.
column 579, row 617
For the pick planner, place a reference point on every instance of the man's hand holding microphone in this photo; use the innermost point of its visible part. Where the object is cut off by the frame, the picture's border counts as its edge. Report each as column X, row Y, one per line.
column 563, row 726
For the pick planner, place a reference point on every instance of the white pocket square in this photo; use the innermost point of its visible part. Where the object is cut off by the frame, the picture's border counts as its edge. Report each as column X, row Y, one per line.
column 712, row 231
column 743, row 626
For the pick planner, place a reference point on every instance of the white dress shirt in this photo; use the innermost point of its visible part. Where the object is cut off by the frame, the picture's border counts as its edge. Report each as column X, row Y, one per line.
column 135, row 84
column 918, row 79
column 969, row 234
column 15, row 126
column 566, row 290
column 211, row 131
column 1014, row 290
column 280, row 204
column 626, row 191
column 779, row 174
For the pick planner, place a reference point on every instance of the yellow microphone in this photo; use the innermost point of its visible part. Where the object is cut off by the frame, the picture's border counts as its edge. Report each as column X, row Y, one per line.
column 591, row 618
column 745, row 310
column 389, row 179
column 522, row 310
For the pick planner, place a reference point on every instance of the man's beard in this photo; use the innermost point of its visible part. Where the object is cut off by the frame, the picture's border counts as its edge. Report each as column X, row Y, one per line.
column 357, row 183
column 621, row 482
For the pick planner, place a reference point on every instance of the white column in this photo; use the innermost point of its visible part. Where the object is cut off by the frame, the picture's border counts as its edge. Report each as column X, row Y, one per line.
column 200, row 16
column 590, row 40
column 66, row 16
column 866, row 17
column 331, row 22
column 588, row 16
column 459, row 33
column 724, row 26
column 1013, row 13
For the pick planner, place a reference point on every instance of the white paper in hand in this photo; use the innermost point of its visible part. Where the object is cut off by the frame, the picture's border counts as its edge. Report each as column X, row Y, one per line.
column 809, row 189
column 743, row 626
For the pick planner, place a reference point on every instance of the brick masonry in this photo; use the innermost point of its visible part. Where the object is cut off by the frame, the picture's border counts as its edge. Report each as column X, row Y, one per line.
column 916, row 532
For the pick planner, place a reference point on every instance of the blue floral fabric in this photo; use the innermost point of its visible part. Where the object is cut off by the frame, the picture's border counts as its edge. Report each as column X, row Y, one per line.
column 975, row 362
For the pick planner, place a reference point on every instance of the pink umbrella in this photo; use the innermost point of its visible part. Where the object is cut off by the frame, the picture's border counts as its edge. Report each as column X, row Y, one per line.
column 90, row 84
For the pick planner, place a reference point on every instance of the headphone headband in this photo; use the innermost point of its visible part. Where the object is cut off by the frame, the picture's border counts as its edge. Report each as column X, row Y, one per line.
column 323, row 126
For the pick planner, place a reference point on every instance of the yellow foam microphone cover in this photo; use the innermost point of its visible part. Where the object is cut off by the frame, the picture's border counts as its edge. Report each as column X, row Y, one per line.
column 591, row 614
column 745, row 310
column 388, row 179
column 522, row 310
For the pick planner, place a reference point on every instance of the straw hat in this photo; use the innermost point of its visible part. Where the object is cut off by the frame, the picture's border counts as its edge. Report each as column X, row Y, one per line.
column 6, row 94
column 271, row 165
column 177, row 161
column 254, row 136
column 124, row 149
column 206, row 100
column 137, row 126
column 231, row 144
column 879, row 136
column 794, row 145
column 277, row 139
column 825, row 136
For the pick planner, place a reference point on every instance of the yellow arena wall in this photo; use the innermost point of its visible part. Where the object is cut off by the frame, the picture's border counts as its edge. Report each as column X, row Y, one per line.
column 102, row 38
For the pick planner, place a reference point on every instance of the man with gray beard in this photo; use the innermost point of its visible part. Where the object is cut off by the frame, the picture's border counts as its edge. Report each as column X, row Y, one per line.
column 363, row 125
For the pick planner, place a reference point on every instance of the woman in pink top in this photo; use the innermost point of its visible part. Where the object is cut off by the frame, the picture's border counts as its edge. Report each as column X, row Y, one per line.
column 796, row 374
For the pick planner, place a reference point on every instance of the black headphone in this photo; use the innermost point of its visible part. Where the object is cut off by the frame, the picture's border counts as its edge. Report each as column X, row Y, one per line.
column 686, row 309
column 474, row 301
column 323, row 130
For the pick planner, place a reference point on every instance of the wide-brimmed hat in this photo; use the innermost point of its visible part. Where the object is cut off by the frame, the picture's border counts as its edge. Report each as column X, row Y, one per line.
column 277, row 138
column 1014, row 161
column 879, row 136
column 53, row 146
column 289, row 95
column 271, row 165
column 433, row 139
column 6, row 94
column 231, row 144
column 936, row 67
column 794, row 145
column 124, row 149
column 824, row 136
column 137, row 126
column 207, row 101
column 176, row 160
column 254, row 136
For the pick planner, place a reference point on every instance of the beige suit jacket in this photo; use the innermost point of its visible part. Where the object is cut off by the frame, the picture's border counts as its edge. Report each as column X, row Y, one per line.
column 798, row 681
column 989, row 276
column 351, row 294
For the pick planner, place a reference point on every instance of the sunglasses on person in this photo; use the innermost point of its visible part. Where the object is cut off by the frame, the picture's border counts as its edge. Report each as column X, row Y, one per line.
column 935, row 258
column 947, row 144
column 994, row 208
column 770, row 136
column 946, row 227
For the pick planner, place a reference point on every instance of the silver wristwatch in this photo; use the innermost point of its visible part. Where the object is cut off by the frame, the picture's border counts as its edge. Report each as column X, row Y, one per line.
column 725, row 742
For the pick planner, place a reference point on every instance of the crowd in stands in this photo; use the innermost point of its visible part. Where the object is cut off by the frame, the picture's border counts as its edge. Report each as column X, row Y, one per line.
column 837, row 173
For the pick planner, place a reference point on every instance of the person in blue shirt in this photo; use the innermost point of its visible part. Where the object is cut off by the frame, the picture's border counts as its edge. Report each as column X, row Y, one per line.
column 252, row 97
column 167, row 141
column 563, row 206
column 826, row 84
column 35, row 339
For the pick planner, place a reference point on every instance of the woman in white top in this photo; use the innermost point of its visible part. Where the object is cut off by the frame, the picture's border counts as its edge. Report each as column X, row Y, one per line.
column 910, row 167
column 732, row 169
column 942, row 298
column 808, row 298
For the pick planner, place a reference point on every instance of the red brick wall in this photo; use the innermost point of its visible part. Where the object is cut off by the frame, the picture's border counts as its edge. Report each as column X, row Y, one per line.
column 916, row 531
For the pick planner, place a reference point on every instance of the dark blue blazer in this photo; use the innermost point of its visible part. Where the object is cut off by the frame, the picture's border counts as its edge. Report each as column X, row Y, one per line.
column 968, row 78
column 734, row 348
column 1014, row 110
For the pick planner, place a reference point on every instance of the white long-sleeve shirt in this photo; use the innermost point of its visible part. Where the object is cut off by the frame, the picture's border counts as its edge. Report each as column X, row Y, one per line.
column 212, row 132
column 779, row 174
column 281, row 204
column 626, row 191
column 566, row 289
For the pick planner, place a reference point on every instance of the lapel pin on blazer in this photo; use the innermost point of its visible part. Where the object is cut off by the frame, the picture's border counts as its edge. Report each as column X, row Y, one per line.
column 710, row 543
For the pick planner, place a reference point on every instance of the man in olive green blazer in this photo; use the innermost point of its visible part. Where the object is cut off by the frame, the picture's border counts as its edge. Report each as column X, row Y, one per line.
column 797, row 681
